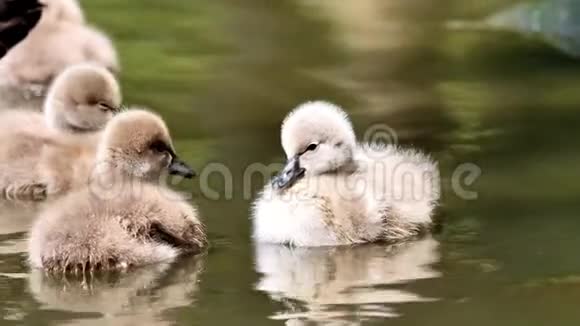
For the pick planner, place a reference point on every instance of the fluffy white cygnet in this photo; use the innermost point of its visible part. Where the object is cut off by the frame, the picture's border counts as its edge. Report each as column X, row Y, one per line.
column 335, row 191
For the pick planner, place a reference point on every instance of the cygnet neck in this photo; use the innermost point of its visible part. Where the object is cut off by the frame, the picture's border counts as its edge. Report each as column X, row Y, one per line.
column 56, row 119
column 109, row 178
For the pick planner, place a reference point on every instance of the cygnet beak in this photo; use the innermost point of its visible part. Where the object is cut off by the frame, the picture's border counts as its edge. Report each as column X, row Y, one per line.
column 178, row 167
column 291, row 173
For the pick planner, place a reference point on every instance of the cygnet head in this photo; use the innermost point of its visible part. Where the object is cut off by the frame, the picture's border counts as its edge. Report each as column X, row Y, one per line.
column 82, row 99
column 318, row 138
column 57, row 11
column 137, row 144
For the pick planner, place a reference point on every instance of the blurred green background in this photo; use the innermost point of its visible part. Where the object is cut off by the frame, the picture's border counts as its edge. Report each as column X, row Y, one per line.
column 495, row 83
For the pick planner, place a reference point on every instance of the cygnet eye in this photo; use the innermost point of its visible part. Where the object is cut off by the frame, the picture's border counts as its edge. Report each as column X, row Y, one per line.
column 105, row 107
column 312, row 147
column 160, row 147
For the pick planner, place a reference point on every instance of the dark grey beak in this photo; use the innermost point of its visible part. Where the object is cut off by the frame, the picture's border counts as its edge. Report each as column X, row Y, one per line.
column 178, row 167
column 291, row 173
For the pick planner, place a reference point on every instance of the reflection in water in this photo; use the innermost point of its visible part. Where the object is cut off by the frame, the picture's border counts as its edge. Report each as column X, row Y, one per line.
column 15, row 220
column 332, row 284
column 140, row 297
column 16, row 216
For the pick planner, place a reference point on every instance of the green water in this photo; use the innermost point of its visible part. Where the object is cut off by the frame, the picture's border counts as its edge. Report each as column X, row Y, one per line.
column 225, row 73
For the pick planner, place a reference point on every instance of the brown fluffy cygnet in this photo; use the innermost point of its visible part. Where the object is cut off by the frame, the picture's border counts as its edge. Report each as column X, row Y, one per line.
column 120, row 218
column 81, row 100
